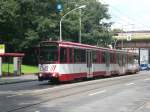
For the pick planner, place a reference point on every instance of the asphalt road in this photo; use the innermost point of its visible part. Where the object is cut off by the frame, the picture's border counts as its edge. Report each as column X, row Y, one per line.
column 129, row 93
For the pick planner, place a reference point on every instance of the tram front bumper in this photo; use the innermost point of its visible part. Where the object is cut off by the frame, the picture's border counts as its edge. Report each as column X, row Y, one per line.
column 42, row 76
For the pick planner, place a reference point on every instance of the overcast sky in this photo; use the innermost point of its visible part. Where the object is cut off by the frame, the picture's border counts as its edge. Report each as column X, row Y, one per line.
column 130, row 14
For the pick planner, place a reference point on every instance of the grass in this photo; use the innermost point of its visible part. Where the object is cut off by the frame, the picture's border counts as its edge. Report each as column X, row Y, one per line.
column 26, row 69
column 29, row 69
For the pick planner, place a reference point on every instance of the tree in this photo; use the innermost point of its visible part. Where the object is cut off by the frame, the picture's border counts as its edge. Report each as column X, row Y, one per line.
column 24, row 23
column 93, row 30
column 116, row 31
column 98, row 31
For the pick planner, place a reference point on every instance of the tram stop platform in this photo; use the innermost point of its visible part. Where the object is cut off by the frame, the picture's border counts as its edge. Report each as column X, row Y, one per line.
column 18, row 79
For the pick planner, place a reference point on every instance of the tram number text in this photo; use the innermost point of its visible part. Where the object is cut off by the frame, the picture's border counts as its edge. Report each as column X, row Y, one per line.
column 43, row 68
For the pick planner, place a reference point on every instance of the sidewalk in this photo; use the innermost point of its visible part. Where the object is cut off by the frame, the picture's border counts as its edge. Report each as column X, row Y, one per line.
column 18, row 79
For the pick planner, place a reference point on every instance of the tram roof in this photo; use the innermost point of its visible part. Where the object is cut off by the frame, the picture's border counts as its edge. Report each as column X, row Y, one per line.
column 79, row 45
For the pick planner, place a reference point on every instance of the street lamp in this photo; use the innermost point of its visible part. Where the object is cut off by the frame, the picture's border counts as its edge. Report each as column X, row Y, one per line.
column 83, row 6
column 128, row 36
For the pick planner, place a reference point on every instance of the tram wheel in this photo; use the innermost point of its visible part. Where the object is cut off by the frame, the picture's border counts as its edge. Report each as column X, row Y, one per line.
column 54, row 81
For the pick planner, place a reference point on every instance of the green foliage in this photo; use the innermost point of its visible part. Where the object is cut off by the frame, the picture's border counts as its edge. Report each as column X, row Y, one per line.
column 94, row 25
column 24, row 23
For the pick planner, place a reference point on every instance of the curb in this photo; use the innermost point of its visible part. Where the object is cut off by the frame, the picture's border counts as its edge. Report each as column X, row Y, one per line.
column 15, row 82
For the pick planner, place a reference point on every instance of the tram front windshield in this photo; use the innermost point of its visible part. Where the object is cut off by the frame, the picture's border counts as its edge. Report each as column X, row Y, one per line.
column 48, row 54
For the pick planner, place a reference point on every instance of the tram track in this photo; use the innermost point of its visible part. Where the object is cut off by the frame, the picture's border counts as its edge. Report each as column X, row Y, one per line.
column 62, row 87
column 58, row 93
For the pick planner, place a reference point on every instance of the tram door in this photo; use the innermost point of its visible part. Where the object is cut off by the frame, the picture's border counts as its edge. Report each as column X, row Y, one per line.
column 89, row 63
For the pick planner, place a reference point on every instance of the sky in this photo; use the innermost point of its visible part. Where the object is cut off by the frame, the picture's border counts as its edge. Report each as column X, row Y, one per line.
column 129, row 14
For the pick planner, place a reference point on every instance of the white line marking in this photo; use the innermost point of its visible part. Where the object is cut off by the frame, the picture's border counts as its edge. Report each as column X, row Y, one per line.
column 37, row 111
column 99, row 92
column 14, row 95
column 128, row 84
column 146, row 79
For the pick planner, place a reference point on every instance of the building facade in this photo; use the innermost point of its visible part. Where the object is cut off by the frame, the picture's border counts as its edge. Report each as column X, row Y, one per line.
column 135, row 41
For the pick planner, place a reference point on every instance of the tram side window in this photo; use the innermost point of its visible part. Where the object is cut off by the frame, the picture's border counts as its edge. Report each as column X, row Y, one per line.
column 107, row 56
column 115, row 58
column 83, row 56
column 70, row 55
column 131, row 60
column 118, row 58
column 136, row 59
column 103, row 60
column 94, row 57
column 77, row 57
column 127, row 60
column 124, row 59
column 111, row 58
column 98, row 57
column 63, row 55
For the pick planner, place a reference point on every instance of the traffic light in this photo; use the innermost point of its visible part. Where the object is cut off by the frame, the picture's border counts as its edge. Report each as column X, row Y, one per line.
column 59, row 6
column 56, row 5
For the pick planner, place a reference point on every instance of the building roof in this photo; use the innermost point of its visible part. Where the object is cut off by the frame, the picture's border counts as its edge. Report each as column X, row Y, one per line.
column 138, row 31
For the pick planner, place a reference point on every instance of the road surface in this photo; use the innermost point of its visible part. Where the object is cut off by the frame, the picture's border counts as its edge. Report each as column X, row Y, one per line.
column 129, row 93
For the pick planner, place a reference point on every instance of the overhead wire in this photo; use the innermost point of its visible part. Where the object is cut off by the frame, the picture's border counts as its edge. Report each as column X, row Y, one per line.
column 125, row 15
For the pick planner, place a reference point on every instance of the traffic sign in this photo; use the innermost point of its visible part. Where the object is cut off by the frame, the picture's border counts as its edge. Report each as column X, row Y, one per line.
column 129, row 37
column 2, row 48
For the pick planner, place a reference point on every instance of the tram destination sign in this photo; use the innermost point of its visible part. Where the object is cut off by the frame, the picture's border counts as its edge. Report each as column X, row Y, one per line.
column 2, row 48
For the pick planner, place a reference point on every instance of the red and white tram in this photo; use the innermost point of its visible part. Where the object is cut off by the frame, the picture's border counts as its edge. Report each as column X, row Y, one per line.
column 66, row 61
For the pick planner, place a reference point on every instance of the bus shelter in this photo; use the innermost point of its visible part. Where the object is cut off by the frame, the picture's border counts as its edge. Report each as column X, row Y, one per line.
column 17, row 60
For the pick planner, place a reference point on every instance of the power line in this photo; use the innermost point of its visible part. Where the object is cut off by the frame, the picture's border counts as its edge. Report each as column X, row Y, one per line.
column 121, row 13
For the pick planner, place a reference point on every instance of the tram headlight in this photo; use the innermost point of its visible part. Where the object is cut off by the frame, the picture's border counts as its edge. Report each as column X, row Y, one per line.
column 55, row 74
column 40, row 75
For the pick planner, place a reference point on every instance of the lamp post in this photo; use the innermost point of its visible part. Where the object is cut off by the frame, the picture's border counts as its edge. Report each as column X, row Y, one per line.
column 83, row 6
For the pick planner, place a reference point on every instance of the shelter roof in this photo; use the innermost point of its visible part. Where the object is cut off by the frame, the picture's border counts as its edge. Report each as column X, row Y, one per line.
column 12, row 54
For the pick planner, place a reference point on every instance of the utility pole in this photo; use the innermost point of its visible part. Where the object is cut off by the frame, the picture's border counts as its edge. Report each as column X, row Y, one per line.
column 122, row 38
column 80, row 22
